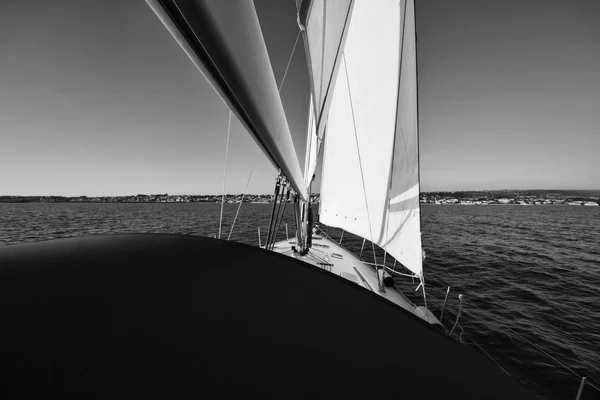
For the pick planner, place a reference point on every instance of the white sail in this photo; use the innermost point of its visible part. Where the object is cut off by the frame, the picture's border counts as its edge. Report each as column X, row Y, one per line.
column 312, row 147
column 370, row 182
column 325, row 26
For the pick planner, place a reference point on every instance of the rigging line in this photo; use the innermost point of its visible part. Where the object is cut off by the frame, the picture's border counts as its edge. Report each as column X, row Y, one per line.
column 323, row 52
column 542, row 351
column 258, row 150
column 484, row 352
column 273, row 210
column 309, row 138
column 360, row 161
column 296, row 219
column 277, row 220
column 289, row 61
column 280, row 217
column 224, row 173
column 243, row 194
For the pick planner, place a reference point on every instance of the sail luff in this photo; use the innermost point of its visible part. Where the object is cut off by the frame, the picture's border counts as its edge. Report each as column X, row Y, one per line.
column 236, row 64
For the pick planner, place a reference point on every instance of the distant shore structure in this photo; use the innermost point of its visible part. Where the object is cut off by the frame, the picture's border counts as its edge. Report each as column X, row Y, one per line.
column 494, row 197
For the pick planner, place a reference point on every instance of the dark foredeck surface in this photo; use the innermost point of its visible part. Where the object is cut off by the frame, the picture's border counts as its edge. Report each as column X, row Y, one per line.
column 135, row 316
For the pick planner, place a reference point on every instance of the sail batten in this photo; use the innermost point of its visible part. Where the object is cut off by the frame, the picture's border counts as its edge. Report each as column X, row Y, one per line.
column 379, row 106
column 236, row 64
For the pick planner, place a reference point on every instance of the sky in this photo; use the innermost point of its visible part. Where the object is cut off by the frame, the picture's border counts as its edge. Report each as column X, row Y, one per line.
column 96, row 98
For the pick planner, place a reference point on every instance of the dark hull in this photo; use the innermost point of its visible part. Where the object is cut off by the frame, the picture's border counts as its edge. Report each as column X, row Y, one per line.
column 137, row 316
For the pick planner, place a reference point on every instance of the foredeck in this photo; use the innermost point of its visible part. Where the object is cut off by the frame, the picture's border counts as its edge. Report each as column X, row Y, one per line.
column 332, row 257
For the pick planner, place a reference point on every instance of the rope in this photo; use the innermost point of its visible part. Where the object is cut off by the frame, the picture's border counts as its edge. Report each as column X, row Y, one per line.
column 298, row 236
column 484, row 352
column 257, row 150
column 393, row 271
column 224, row 174
column 289, row 61
column 457, row 315
column 422, row 278
column 361, row 248
column 274, row 209
column 280, row 217
column 243, row 194
column 360, row 162
column 543, row 352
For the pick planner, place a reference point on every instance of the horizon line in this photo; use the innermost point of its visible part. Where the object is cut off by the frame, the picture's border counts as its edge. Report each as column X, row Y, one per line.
column 270, row 194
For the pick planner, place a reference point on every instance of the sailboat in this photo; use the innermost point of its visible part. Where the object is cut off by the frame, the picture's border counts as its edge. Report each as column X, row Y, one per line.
column 173, row 315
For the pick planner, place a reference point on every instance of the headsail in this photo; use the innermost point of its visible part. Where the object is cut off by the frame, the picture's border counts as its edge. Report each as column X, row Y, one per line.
column 325, row 25
column 370, row 182
column 237, row 65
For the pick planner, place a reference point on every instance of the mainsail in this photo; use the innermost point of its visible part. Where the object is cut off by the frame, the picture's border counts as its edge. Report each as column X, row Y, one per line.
column 370, row 182
column 237, row 65
column 324, row 25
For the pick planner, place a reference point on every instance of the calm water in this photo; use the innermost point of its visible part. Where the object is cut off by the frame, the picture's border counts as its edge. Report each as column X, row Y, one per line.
column 529, row 274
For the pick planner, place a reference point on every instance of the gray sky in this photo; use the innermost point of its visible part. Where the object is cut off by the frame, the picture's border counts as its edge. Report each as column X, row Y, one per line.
column 97, row 98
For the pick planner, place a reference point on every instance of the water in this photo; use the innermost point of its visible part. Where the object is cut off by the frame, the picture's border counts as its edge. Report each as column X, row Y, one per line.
column 529, row 274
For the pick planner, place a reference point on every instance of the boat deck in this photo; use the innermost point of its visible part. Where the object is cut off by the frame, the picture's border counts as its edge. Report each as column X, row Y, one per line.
column 332, row 257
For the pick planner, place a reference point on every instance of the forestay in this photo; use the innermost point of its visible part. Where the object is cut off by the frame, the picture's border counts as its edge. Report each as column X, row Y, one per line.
column 370, row 182
column 324, row 25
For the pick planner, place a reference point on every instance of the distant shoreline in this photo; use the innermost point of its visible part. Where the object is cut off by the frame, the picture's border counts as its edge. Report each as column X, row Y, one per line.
column 505, row 197
column 143, row 198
